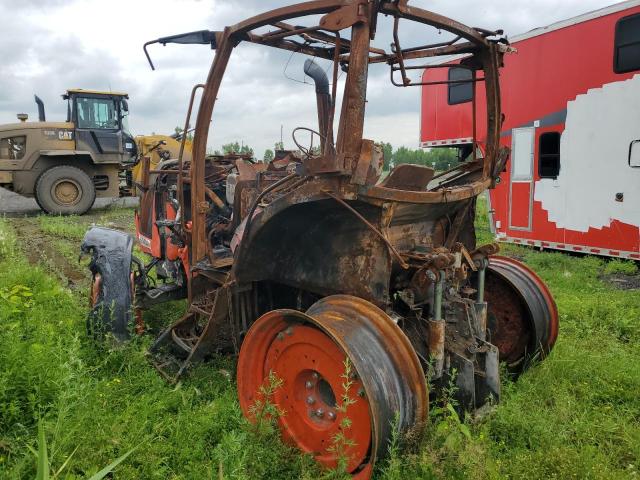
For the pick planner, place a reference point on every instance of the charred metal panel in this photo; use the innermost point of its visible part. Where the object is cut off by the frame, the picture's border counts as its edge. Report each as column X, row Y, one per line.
column 318, row 246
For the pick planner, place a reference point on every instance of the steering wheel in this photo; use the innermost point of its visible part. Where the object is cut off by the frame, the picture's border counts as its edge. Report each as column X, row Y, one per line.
column 307, row 151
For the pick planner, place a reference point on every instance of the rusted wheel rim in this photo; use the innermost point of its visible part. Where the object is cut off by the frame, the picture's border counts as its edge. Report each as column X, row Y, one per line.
column 307, row 352
column 522, row 315
column 66, row 192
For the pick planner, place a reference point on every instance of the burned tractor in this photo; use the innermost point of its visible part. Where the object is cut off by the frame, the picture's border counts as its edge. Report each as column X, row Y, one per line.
column 313, row 266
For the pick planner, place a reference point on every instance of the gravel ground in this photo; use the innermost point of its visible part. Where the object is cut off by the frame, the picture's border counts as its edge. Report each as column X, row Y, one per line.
column 11, row 203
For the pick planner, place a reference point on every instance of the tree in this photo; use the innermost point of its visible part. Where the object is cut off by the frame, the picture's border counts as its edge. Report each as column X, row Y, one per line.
column 279, row 146
column 387, row 150
column 235, row 147
column 179, row 131
column 436, row 158
column 268, row 155
column 442, row 158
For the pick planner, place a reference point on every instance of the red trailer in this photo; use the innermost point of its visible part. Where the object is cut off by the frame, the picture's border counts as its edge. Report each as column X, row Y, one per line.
column 571, row 103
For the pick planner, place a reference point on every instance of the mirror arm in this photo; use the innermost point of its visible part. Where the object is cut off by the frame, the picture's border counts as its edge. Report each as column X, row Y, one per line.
column 144, row 47
column 200, row 37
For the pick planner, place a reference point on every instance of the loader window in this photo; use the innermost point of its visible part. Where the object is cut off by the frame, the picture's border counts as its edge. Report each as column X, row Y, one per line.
column 626, row 55
column 13, row 148
column 124, row 115
column 460, row 92
column 96, row 113
column 549, row 155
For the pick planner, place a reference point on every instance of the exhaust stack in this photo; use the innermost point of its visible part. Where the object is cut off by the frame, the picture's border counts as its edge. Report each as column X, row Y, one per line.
column 324, row 101
column 41, row 116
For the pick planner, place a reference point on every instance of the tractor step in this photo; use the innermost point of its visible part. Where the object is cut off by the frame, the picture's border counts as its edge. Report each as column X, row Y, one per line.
column 196, row 332
column 161, row 294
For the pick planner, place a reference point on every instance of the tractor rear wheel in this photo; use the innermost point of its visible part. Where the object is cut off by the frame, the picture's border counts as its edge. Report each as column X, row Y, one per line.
column 522, row 316
column 65, row 190
column 112, row 308
column 343, row 367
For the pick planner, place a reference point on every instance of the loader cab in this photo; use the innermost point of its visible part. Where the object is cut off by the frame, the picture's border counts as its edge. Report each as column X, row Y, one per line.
column 101, row 125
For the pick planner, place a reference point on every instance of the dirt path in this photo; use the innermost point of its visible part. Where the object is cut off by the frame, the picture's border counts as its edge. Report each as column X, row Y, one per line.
column 58, row 253
column 43, row 249
column 623, row 281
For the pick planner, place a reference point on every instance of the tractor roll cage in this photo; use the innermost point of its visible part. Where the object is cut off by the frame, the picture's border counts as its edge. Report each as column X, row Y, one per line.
column 354, row 55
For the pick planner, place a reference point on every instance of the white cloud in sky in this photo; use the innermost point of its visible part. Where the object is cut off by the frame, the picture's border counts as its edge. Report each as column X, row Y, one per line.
column 48, row 46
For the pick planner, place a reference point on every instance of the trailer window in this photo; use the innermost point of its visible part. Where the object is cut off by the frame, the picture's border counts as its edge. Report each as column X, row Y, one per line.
column 634, row 154
column 627, row 44
column 460, row 92
column 522, row 142
column 549, row 155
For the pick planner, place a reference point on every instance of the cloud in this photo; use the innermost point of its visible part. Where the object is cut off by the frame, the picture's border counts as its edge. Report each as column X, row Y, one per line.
column 49, row 46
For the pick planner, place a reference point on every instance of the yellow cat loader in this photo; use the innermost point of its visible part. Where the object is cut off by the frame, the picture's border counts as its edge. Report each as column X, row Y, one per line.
column 67, row 165
column 157, row 149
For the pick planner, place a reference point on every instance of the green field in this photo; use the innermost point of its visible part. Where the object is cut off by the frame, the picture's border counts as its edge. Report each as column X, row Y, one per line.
column 575, row 415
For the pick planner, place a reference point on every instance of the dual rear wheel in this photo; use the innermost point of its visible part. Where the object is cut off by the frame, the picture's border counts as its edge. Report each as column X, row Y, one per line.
column 347, row 372
column 345, row 359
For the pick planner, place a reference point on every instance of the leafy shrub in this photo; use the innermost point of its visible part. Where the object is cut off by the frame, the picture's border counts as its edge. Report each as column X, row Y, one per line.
column 621, row 266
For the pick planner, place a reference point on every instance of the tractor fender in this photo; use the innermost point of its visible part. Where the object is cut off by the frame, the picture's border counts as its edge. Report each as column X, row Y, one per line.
column 111, row 260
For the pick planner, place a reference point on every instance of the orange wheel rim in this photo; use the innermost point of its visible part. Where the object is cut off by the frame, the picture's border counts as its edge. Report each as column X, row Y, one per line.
column 311, row 367
column 307, row 352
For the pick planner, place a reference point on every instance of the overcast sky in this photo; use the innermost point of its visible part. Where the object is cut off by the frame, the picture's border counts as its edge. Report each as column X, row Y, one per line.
column 47, row 46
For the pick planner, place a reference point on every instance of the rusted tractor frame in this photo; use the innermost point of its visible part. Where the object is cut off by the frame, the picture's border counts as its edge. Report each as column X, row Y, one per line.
column 348, row 289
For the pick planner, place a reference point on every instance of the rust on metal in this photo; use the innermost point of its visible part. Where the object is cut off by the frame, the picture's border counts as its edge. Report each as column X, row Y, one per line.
column 436, row 345
column 382, row 383
column 310, row 264
column 522, row 317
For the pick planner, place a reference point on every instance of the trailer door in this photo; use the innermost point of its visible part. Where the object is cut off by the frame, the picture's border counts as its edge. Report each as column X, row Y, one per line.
column 521, row 178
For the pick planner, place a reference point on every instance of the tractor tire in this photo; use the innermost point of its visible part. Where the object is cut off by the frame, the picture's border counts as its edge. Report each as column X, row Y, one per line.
column 112, row 292
column 107, row 314
column 522, row 315
column 65, row 190
column 342, row 347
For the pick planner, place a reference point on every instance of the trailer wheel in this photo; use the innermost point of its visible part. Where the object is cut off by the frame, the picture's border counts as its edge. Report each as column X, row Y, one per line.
column 65, row 190
column 522, row 315
column 342, row 346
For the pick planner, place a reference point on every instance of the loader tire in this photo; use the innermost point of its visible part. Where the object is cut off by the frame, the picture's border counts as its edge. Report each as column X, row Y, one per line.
column 65, row 190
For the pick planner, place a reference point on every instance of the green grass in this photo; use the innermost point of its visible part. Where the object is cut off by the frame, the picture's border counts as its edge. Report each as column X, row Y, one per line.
column 74, row 227
column 103, row 401
column 575, row 415
column 70, row 228
column 620, row 266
